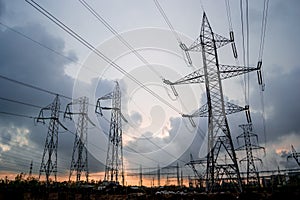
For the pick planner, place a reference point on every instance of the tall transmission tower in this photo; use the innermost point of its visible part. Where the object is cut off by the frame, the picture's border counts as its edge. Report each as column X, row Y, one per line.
column 250, row 144
column 49, row 160
column 79, row 161
column 114, row 159
column 216, row 109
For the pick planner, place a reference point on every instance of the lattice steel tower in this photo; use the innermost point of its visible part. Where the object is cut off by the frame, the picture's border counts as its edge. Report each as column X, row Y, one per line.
column 114, row 159
column 79, row 162
column 216, row 109
column 49, row 160
column 250, row 144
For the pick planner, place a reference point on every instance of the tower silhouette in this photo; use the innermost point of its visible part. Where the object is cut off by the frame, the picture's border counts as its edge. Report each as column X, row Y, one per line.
column 216, row 109
column 114, row 169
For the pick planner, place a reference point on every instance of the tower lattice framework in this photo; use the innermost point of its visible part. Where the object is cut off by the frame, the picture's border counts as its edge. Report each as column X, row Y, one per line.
column 216, row 109
column 49, row 160
column 79, row 163
column 248, row 147
column 114, row 169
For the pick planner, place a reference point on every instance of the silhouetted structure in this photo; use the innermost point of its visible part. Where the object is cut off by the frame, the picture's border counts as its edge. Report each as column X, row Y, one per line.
column 216, row 109
column 79, row 161
column 114, row 159
column 49, row 160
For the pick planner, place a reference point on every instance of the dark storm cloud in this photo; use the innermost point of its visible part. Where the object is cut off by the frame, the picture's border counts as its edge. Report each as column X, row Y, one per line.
column 25, row 61
column 285, row 96
column 281, row 103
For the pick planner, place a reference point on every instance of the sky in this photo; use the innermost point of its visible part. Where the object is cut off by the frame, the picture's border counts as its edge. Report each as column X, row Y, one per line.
column 34, row 50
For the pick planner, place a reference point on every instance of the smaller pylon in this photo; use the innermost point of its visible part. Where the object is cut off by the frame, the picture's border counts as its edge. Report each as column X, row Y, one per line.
column 249, row 146
column 114, row 169
column 79, row 161
column 294, row 155
column 49, row 160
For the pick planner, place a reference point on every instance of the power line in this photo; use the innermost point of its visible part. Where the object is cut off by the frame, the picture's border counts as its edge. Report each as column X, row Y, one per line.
column 27, row 116
column 97, row 52
column 228, row 11
column 162, row 12
column 17, row 115
column 112, row 30
column 19, row 102
column 263, row 28
column 243, row 48
column 261, row 49
column 248, row 49
column 46, row 47
column 32, row 86
column 37, row 42
column 144, row 137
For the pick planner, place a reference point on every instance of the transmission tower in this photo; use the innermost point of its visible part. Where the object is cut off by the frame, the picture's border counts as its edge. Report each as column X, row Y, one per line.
column 249, row 145
column 216, row 109
column 79, row 161
column 49, row 160
column 294, row 155
column 114, row 159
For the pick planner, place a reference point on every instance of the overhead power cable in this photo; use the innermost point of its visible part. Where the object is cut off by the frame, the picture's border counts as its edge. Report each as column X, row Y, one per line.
column 19, row 102
column 260, row 55
column 37, row 42
column 32, row 86
column 144, row 137
column 243, row 44
column 263, row 28
column 228, row 11
column 17, row 115
column 31, row 117
column 97, row 52
column 162, row 12
column 132, row 149
column 112, row 30
column 127, row 44
column 47, row 48
column 248, row 50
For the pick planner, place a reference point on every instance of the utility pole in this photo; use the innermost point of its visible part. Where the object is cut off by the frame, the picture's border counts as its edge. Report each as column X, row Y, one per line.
column 177, row 173
column 216, row 109
column 158, row 176
column 114, row 159
column 141, row 176
column 79, row 161
column 49, row 160
column 30, row 169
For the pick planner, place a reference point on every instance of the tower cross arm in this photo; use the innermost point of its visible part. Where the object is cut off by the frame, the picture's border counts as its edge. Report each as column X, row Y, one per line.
column 219, row 40
column 107, row 96
column 230, row 108
column 194, row 77
column 228, row 71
